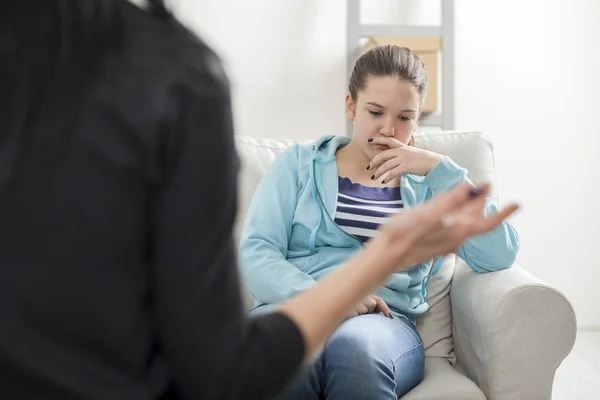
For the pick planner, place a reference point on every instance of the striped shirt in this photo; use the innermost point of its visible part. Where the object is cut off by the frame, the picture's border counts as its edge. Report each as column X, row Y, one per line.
column 361, row 209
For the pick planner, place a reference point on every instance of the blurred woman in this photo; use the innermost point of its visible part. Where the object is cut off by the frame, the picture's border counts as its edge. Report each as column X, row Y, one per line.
column 117, row 199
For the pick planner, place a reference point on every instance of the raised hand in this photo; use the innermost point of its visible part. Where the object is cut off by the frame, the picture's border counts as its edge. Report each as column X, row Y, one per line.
column 437, row 227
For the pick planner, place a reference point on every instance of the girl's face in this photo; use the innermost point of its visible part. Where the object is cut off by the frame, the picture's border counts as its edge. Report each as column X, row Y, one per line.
column 386, row 106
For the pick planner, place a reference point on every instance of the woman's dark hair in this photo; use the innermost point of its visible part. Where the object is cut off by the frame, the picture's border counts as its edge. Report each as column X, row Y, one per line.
column 50, row 50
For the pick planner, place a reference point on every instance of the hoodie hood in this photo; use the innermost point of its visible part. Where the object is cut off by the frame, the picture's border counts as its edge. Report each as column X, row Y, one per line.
column 325, row 147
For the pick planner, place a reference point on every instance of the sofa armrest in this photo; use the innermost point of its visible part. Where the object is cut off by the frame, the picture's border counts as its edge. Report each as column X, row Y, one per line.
column 511, row 331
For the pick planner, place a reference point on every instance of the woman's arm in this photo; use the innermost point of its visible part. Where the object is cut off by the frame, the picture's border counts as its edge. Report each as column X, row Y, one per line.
column 426, row 231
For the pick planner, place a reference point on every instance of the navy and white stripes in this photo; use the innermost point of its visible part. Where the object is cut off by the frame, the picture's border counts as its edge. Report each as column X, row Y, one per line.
column 361, row 209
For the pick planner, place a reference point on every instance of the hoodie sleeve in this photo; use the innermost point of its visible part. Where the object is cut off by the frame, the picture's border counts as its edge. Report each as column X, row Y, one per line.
column 266, row 233
column 493, row 251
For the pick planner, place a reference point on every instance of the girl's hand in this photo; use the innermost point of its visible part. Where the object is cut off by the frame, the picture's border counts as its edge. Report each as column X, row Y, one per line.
column 400, row 159
column 369, row 305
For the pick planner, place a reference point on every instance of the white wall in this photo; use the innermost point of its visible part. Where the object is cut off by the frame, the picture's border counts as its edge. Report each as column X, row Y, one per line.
column 286, row 61
column 526, row 73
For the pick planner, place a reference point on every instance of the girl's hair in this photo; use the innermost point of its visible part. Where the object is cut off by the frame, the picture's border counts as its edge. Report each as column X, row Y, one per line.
column 389, row 60
column 50, row 50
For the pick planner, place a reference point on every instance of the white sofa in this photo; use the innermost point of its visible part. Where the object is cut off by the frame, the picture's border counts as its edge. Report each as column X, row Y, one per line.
column 496, row 336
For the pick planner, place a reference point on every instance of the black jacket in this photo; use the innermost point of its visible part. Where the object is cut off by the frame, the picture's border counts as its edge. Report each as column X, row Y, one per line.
column 117, row 269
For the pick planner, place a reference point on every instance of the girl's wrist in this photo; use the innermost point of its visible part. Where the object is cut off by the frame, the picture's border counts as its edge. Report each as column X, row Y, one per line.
column 434, row 160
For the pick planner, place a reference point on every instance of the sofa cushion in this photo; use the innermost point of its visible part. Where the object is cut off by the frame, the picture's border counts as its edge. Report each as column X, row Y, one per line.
column 442, row 382
column 435, row 326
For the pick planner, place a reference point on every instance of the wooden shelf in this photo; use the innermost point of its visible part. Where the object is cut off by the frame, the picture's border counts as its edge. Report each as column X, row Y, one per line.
column 399, row 31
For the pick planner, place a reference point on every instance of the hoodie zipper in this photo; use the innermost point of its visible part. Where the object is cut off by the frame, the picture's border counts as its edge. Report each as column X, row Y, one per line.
column 425, row 279
column 329, row 216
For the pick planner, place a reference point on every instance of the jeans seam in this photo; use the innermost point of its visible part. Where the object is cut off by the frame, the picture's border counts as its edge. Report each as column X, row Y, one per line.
column 413, row 330
column 406, row 352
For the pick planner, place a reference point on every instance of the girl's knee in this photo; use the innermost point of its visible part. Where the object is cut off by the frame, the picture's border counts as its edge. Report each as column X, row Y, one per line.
column 375, row 356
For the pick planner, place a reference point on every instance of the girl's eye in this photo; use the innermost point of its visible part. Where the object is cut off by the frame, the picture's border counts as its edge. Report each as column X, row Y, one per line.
column 375, row 113
column 403, row 118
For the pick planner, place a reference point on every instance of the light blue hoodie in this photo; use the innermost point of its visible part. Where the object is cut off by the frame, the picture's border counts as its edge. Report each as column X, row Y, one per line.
column 290, row 239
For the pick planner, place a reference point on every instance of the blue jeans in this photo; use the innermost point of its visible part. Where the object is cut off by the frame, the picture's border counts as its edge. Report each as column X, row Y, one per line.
column 368, row 357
